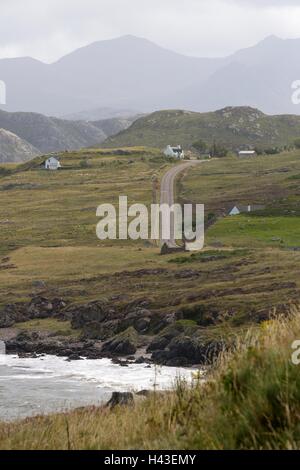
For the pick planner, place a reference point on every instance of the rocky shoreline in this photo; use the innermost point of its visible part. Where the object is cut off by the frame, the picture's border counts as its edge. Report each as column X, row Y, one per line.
column 125, row 332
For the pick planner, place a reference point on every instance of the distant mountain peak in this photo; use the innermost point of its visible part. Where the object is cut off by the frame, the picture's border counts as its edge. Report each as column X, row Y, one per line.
column 131, row 37
column 131, row 72
column 272, row 38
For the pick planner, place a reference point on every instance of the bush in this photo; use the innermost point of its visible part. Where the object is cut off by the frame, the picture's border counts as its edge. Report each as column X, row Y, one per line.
column 218, row 150
column 272, row 150
column 297, row 143
column 84, row 164
column 200, row 145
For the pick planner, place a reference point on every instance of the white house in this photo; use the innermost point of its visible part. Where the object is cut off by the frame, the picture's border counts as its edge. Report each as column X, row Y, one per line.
column 247, row 153
column 236, row 210
column 52, row 164
column 175, row 152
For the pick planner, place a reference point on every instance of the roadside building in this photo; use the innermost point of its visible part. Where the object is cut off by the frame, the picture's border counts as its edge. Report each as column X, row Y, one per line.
column 175, row 152
column 247, row 153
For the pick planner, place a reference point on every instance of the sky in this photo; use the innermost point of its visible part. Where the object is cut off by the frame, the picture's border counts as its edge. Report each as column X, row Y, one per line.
column 49, row 29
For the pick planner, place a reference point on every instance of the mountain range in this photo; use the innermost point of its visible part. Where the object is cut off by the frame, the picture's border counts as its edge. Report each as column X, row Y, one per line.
column 133, row 73
column 36, row 134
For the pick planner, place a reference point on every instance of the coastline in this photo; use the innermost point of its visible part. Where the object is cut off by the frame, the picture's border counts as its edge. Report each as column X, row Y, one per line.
column 50, row 384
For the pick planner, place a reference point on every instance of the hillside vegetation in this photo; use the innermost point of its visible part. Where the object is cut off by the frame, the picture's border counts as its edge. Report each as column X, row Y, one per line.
column 251, row 400
column 233, row 127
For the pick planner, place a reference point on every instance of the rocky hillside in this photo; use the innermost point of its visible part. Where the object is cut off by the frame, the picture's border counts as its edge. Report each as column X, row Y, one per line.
column 14, row 149
column 232, row 126
column 49, row 134
column 114, row 125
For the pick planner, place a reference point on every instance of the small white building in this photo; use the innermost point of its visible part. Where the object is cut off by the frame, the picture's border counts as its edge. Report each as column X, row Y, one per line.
column 175, row 152
column 247, row 153
column 236, row 210
column 52, row 164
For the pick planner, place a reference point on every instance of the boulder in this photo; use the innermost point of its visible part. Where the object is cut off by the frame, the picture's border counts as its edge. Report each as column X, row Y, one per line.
column 102, row 330
column 41, row 307
column 6, row 319
column 142, row 325
column 189, row 350
column 123, row 344
column 12, row 313
column 97, row 311
column 74, row 357
column 121, row 399
column 158, row 343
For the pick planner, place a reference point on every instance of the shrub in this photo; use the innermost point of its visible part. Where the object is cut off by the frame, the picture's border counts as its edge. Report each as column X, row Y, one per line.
column 297, row 143
column 200, row 145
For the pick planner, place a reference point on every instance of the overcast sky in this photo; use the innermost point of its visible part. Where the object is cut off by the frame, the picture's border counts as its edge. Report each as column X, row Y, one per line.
column 48, row 29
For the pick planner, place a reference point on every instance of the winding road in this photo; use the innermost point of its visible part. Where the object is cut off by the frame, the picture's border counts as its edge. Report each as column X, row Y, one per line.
column 167, row 193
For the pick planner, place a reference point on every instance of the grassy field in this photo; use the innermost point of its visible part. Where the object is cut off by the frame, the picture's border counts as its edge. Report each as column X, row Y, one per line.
column 57, row 327
column 248, row 272
column 270, row 181
column 48, row 219
column 250, row 401
column 48, row 222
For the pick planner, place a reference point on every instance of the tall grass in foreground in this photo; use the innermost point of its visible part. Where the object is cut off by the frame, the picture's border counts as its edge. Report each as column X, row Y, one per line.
column 251, row 400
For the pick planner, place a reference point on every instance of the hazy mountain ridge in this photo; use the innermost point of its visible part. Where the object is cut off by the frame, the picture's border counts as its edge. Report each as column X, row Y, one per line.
column 133, row 73
column 113, row 126
column 14, row 149
column 232, row 126
column 101, row 114
column 49, row 134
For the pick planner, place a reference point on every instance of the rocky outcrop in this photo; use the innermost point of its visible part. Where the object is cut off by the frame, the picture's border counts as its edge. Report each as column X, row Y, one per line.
column 188, row 351
column 38, row 307
column 38, row 343
column 114, row 330
column 100, row 320
column 93, row 312
column 182, row 344
column 124, row 344
column 41, row 307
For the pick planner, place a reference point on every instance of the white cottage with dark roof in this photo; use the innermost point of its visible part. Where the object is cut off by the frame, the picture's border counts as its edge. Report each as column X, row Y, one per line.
column 175, row 152
column 52, row 164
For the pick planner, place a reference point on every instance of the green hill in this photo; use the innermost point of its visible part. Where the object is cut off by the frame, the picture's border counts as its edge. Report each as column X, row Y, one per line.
column 233, row 127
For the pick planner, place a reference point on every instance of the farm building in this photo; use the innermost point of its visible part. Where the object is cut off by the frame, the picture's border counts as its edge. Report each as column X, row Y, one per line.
column 175, row 152
column 52, row 164
column 239, row 209
column 247, row 153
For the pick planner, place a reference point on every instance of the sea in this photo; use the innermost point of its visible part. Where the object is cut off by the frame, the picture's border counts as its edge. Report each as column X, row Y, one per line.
column 48, row 384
